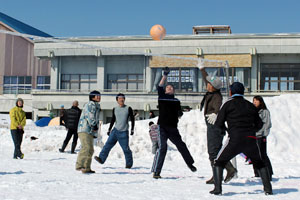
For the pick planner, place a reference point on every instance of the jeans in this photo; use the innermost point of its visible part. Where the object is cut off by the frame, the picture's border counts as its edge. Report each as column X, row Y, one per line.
column 123, row 139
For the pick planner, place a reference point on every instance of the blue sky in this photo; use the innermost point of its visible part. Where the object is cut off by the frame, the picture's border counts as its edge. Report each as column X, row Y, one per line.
column 65, row 18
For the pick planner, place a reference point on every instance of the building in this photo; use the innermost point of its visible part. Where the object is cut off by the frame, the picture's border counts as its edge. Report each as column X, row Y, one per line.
column 48, row 74
column 267, row 64
column 20, row 70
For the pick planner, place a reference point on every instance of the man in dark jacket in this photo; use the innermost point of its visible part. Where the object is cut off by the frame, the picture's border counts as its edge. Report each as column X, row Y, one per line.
column 243, row 122
column 211, row 103
column 169, row 112
column 72, row 117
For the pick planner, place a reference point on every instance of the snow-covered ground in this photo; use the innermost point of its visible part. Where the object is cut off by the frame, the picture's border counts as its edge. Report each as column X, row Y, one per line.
column 45, row 173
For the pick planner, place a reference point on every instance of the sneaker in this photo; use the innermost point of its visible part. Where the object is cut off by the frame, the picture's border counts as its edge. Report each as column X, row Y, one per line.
column 98, row 159
column 192, row 168
column 61, row 150
column 79, row 168
column 87, row 171
column 21, row 156
column 156, row 175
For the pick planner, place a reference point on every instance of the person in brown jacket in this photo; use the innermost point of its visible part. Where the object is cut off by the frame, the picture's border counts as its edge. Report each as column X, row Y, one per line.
column 211, row 103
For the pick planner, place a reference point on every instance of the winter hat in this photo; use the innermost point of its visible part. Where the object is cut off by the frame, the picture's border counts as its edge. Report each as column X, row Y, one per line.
column 120, row 95
column 214, row 81
column 62, row 106
column 237, row 88
column 93, row 94
column 19, row 99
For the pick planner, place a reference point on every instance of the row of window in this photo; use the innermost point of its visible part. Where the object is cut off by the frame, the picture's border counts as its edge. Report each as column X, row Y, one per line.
column 272, row 77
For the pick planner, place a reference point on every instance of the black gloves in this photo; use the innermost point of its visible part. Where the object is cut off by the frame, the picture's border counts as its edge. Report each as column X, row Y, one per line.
column 166, row 71
column 131, row 132
column 95, row 128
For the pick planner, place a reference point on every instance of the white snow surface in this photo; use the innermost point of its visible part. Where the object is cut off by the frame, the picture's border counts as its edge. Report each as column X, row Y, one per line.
column 44, row 173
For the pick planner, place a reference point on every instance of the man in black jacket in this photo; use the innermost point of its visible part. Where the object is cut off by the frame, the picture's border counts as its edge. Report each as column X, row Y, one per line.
column 169, row 112
column 72, row 117
column 243, row 122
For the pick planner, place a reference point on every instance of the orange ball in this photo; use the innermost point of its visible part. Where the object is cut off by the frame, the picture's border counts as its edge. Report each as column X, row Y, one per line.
column 157, row 32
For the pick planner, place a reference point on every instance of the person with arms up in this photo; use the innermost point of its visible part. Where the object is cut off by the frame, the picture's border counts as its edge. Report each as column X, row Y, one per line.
column 17, row 124
column 88, row 130
column 119, row 133
column 211, row 103
column 169, row 112
column 243, row 122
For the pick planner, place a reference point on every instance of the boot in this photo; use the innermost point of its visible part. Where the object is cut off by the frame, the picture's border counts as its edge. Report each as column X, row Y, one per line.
column 218, row 176
column 231, row 172
column 156, row 175
column 73, row 148
column 210, row 181
column 62, row 149
column 265, row 177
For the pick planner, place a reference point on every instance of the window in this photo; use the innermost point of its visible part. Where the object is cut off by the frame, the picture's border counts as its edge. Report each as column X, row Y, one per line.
column 17, row 85
column 43, row 83
column 79, row 82
column 128, row 82
column 280, row 77
column 240, row 74
column 183, row 79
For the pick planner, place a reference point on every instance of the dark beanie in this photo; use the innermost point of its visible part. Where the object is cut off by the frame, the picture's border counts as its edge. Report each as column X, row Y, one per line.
column 93, row 94
column 237, row 88
column 120, row 95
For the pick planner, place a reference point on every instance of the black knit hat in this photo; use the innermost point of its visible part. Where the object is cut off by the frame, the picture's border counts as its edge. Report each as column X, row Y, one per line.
column 237, row 88
column 120, row 95
column 93, row 94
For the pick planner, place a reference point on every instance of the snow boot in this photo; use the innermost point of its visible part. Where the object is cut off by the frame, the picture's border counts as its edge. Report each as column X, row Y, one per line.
column 62, row 149
column 265, row 177
column 73, row 148
column 231, row 172
column 218, row 177
column 156, row 175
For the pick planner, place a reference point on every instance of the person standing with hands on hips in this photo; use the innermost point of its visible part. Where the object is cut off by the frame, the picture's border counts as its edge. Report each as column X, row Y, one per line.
column 119, row 133
column 169, row 112
column 211, row 103
column 88, row 130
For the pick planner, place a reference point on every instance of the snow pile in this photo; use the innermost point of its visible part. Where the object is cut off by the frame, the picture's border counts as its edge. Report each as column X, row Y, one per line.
column 282, row 142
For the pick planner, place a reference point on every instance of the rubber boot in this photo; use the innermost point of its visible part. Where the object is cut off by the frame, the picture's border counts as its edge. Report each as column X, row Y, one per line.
column 73, row 148
column 265, row 177
column 211, row 180
column 62, row 149
column 231, row 172
column 218, row 177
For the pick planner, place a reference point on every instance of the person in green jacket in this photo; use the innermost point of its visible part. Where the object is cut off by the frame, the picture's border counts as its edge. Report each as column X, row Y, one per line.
column 17, row 123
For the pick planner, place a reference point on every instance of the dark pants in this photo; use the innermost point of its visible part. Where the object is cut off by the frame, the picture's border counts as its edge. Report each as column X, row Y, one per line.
column 237, row 145
column 17, row 136
column 123, row 139
column 262, row 143
column 171, row 133
column 214, row 140
column 69, row 135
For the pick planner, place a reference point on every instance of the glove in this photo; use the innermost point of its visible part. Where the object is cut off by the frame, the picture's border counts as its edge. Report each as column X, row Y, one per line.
column 131, row 132
column 166, row 71
column 108, row 132
column 95, row 128
column 200, row 64
column 211, row 118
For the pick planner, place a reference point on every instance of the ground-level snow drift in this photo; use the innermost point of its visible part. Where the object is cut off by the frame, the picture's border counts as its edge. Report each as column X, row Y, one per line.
column 45, row 173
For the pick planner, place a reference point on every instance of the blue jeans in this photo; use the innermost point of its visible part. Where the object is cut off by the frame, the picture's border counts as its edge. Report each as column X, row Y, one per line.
column 123, row 139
